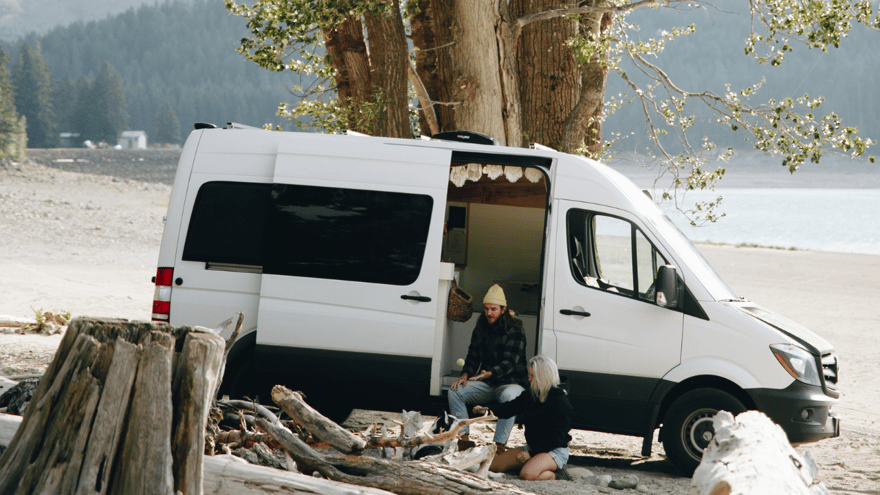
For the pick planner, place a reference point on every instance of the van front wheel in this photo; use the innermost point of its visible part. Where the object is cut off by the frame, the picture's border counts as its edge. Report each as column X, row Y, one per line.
column 688, row 425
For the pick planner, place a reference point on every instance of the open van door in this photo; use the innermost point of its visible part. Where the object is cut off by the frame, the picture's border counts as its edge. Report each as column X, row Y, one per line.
column 614, row 343
column 349, row 290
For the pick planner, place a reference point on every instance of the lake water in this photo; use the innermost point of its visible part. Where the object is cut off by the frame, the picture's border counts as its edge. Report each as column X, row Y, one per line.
column 840, row 220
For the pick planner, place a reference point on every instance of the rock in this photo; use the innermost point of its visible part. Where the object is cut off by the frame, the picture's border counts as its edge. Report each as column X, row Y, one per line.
column 579, row 472
column 628, row 481
column 602, row 480
column 642, row 489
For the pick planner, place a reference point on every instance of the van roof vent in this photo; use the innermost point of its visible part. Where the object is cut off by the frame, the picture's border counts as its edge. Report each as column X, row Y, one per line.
column 466, row 137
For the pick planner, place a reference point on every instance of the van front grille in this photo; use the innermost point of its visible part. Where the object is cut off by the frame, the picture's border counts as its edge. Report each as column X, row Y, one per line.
column 831, row 370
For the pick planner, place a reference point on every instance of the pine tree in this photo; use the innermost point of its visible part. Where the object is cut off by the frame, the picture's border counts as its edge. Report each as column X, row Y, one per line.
column 33, row 97
column 167, row 125
column 108, row 93
column 84, row 119
column 13, row 136
column 64, row 103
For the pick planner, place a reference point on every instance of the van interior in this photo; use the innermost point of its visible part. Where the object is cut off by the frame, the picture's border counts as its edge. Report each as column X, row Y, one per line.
column 494, row 234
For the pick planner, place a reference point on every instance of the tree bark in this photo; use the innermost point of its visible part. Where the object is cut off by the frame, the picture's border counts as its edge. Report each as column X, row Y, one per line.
column 425, row 42
column 476, row 69
column 389, row 58
column 581, row 126
column 348, row 56
column 547, row 71
column 100, row 420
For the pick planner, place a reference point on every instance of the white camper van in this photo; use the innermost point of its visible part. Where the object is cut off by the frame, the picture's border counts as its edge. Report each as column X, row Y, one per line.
column 340, row 251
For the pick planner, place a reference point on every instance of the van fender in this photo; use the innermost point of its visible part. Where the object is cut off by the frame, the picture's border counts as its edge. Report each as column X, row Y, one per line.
column 246, row 341
column 713, row 366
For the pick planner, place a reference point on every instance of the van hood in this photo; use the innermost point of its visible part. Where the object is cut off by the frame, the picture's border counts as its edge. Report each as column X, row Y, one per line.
column 801, row 334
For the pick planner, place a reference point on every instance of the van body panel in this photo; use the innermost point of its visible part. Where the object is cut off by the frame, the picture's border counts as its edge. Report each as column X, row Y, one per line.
column 732, row 345
column 611, row 402
column 615, row 357
column 622, row 334
column 179, row 190
column 356, row 316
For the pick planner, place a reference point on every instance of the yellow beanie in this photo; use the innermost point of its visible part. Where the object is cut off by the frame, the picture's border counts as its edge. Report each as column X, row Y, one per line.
column 495, row 296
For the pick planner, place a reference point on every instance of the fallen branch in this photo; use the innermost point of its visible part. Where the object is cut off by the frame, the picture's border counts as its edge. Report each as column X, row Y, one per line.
column 322, row 428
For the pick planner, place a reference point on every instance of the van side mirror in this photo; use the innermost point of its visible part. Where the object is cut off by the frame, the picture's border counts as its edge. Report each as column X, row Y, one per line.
column 668, row 287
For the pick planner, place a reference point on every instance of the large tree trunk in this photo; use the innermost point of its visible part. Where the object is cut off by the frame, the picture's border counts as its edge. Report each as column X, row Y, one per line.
column 582, row 125
column 389, row 57
column 122, row 408
column 348, row 57
column 426, row 40
column 549, row 78
column 477, row 86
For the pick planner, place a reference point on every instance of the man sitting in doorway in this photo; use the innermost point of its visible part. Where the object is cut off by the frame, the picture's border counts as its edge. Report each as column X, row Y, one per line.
column 496, row 366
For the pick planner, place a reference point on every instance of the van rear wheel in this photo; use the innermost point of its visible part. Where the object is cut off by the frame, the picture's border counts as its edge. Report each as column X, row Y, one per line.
column 687, row 426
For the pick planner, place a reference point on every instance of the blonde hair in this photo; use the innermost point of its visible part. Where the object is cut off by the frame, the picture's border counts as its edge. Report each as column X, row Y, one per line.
column 545, row 376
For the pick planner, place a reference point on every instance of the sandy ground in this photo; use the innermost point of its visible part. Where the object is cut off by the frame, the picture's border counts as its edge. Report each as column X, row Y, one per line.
column 88, row 244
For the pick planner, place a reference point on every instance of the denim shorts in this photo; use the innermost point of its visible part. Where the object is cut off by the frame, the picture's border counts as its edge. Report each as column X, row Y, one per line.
column 560, row 455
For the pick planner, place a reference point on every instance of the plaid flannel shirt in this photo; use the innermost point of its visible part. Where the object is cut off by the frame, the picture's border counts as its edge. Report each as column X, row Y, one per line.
column 499, row 351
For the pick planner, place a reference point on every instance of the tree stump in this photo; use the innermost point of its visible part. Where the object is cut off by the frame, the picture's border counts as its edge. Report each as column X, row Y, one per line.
column 751, row 454
column 121, row 408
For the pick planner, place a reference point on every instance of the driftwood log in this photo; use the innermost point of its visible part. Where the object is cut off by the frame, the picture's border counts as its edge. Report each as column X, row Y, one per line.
column 317, row 424
column 402, row 478
column 751, row 454
column 121, row 408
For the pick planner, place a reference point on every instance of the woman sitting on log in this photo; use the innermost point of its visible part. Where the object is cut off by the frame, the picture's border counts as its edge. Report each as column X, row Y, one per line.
column 546, row 414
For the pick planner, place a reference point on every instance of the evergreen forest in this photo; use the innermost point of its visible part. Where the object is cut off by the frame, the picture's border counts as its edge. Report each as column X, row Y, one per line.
column 173, row 63
column 162, row 67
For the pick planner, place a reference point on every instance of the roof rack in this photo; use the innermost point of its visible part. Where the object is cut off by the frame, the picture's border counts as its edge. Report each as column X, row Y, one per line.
column 204, row 125
column 466, row 137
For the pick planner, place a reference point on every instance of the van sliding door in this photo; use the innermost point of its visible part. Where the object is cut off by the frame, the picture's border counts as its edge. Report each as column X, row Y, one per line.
column 350, row 284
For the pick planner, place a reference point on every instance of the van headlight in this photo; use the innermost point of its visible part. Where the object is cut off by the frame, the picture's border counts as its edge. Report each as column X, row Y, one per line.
column 799, row 363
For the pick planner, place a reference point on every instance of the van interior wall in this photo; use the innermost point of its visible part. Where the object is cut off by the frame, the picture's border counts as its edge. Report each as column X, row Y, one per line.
column 504, row 247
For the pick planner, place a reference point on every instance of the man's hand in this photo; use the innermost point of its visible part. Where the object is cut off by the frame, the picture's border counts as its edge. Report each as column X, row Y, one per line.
column 458, row 383
column 523, row 457
column 480, row 409
column 482, row 375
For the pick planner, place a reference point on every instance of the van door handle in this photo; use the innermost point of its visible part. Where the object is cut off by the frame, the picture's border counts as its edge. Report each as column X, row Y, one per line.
column 416, row 298
column 570, row 312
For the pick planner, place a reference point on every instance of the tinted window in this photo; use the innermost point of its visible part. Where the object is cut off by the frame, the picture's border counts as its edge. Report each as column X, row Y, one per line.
column 227, row 223
column 347, row 234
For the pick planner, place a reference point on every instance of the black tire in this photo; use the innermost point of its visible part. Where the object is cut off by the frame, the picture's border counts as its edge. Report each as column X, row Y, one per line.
column 687, row 426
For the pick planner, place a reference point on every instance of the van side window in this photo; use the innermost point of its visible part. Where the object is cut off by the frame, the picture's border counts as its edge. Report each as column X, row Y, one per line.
column 347, row 234
column 611, row 254
column 227, row 223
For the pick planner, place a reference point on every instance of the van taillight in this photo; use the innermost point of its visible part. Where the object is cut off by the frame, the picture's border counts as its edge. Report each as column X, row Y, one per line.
column 162, row 294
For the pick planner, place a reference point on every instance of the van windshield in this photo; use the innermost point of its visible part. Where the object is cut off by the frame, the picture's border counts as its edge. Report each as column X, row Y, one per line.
column 680, row 244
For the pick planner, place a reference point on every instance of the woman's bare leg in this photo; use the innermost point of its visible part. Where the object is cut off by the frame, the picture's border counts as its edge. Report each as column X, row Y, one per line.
column 506, row 461
column 539, row 467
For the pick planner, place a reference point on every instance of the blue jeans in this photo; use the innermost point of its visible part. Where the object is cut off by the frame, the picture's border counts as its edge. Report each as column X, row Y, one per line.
column 559, row 454
column 479, row 393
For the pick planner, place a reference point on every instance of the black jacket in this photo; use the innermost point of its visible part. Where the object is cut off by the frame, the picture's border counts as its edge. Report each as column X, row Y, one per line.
column 547, row 423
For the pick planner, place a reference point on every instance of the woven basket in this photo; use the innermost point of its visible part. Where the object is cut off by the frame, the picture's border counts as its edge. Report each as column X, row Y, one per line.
column 459, row 308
